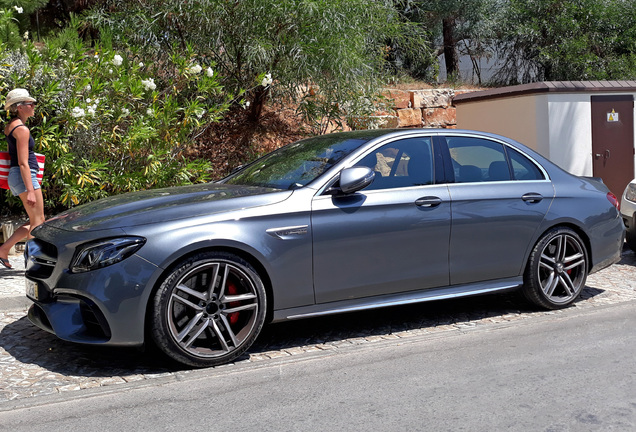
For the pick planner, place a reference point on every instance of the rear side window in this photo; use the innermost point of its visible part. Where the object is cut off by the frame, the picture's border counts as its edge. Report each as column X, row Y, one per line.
column 478, row 160
column 523, row 168
column 484, row 160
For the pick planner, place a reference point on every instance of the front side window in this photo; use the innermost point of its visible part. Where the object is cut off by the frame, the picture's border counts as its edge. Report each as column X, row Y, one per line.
column 402, row 163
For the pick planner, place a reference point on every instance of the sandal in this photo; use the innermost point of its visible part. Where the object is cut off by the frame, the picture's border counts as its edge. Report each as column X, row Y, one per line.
column 6, row 263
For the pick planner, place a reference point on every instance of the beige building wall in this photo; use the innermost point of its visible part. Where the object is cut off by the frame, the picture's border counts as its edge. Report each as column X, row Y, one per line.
column 519, row 118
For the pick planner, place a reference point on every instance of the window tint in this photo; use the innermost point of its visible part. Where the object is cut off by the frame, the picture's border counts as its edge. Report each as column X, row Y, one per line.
column 523, row 168
column 401, row 163
column 478, row 160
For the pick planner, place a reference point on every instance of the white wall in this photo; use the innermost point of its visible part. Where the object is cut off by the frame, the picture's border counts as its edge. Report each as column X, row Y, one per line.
column 570, row 132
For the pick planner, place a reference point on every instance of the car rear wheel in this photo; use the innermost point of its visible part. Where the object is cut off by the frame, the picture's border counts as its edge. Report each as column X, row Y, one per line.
column 209, row 310
column 557, row 269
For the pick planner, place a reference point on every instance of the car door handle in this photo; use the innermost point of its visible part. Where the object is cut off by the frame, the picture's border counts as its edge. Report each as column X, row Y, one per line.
column 428, row 201
column 532, row 197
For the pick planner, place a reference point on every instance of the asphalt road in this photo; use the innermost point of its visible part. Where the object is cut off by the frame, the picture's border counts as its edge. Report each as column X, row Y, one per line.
column 571, row 372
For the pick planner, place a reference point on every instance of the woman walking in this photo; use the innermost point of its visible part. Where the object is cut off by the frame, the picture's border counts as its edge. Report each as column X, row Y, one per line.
column 24, row 167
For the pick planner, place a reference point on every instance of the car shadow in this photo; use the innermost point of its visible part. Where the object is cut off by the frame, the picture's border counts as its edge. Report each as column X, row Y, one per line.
column 30, row 345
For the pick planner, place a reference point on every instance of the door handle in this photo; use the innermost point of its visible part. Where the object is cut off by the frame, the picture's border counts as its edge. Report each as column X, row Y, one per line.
column 607, row 154
column 532, row 197
column 428, row 201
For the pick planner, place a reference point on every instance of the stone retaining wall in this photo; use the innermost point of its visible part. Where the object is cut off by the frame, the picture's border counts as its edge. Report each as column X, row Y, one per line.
column 415, row 108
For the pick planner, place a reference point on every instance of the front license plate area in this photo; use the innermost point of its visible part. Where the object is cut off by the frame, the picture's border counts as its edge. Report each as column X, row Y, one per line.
column 32, row 290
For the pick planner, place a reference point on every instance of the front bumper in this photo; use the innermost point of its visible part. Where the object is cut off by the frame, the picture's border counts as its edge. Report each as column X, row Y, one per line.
column 104, row 306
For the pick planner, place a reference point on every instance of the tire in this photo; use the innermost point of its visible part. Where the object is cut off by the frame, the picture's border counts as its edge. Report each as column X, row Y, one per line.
column 630, row 239
column 209, row 310
column 557, row 269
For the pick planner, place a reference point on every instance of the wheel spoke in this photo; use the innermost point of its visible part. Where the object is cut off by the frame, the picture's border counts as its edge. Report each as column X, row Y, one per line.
column 188, row 328
column 194, row 337
column 238, row 298
column 226, row 323
column 212, row 284
column 190, row 291
column 220, row 337
column 551, row 284
column 223, row 284
column 240, row 308
column 186, row 302
column 567, row 283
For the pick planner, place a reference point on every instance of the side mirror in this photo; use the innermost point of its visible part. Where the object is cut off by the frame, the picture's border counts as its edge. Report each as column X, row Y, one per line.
column 352, row 180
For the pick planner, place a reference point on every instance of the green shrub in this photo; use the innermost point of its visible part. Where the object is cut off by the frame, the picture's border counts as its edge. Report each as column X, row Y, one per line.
column 112, row 121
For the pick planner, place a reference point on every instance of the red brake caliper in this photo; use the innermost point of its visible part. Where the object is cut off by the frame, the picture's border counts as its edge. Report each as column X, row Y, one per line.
column 232, row 290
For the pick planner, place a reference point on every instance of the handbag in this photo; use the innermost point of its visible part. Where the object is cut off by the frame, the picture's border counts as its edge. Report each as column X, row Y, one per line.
column 5, row 165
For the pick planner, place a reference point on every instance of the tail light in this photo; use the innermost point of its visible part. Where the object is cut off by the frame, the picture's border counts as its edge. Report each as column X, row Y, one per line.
column 615, row 202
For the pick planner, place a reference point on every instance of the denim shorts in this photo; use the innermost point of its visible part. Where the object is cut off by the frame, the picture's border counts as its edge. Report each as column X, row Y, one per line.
column 17, row 185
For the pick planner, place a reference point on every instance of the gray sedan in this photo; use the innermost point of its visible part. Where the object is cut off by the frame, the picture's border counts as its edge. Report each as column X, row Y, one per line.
column 329, row 224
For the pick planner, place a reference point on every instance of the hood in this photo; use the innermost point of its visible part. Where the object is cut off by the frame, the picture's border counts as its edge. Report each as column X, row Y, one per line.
column 161, row 205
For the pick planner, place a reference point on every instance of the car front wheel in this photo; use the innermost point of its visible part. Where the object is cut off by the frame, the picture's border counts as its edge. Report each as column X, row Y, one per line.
column 557, row 269
column 209, row 310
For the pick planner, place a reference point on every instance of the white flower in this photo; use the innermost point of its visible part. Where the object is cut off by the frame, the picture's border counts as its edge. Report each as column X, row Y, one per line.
column 96, row 56
column 209, row 72
column 195, row 69
column 110, row 71
column 91, row 109
column 18, row 9
column 246, row 104
column 117, row 60
column 267, row 80
column 78, row 112
column 26, row 35
column 89, row 100
column 125, row 111
column 141, row 64
column 149, row 111
column 149, row 84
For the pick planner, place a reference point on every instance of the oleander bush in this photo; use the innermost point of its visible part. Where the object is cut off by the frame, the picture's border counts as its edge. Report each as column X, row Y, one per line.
column 109, row 120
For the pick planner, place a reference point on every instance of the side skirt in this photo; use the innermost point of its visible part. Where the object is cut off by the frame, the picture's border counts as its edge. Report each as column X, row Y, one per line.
column 397, row 299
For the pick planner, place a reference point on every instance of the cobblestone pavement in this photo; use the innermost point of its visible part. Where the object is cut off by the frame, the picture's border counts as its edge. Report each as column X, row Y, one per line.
column 35, row 363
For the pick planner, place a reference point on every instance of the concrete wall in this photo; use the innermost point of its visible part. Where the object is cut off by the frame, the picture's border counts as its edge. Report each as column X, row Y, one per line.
column 569, row 131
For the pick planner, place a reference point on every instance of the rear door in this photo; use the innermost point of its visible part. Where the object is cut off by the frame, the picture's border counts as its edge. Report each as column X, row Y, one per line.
column 499, row 199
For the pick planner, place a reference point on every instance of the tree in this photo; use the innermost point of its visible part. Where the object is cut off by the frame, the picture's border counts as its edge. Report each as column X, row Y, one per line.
column 567, row 40
column 460, row 27
column 326, row 55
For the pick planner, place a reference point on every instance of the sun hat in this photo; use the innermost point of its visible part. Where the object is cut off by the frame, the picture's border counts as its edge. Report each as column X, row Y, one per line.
column 17, row 95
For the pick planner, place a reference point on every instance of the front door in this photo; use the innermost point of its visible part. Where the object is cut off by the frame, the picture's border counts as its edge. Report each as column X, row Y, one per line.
column 391, row 236
column 613, row 140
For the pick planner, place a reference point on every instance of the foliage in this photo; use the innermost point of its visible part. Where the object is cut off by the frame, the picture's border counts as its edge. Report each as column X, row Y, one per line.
column 110, row 121
column 457, row 27
column 323, row 55
column 567, row 40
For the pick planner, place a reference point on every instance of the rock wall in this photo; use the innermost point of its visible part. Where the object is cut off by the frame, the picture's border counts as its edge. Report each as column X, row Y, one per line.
column 416, row 108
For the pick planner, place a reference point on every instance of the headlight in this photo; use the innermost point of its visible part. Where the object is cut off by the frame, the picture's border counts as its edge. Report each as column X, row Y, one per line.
column 630, row 193
column 103, row 253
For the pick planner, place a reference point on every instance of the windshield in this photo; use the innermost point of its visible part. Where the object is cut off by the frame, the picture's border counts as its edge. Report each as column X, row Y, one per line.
column 299, row 163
